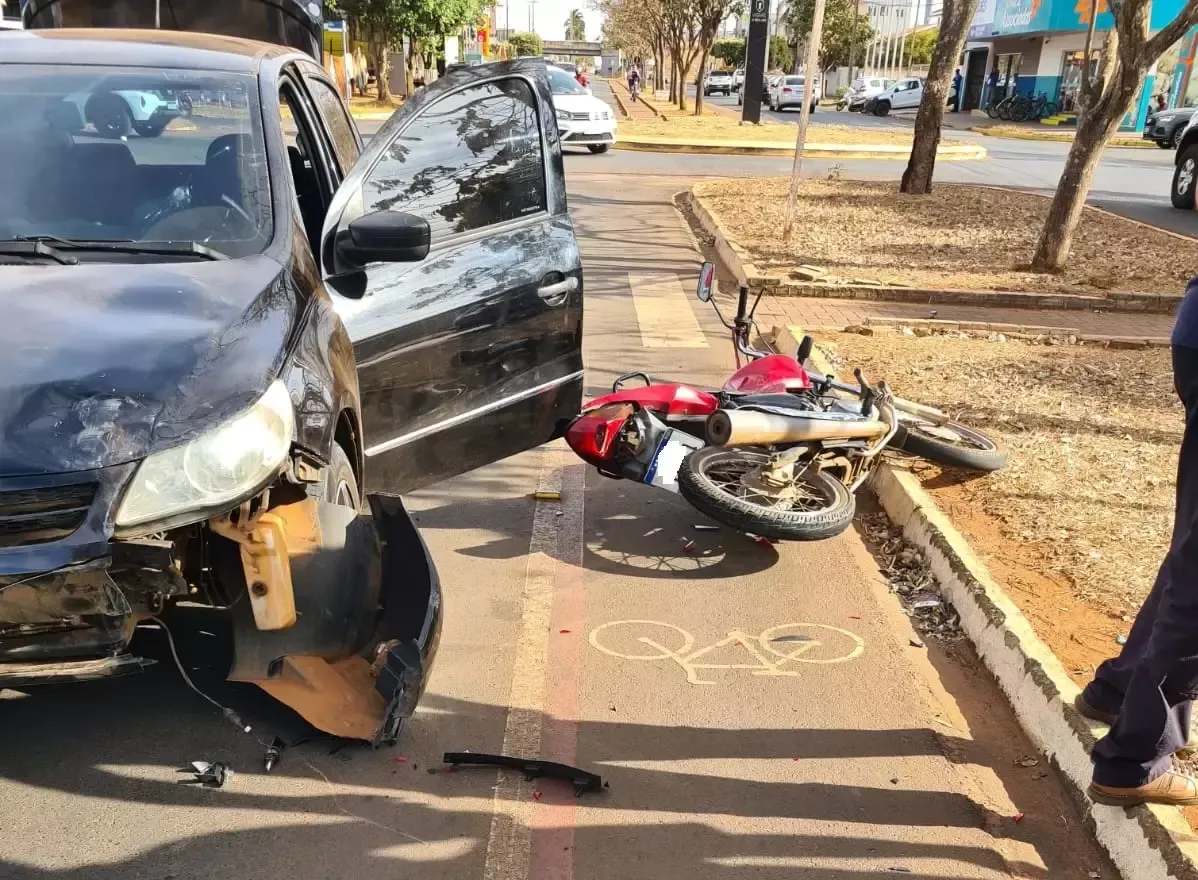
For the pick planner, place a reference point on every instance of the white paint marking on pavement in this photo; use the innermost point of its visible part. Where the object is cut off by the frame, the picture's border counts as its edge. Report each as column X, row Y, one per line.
column 509, row 843
column 663, row 312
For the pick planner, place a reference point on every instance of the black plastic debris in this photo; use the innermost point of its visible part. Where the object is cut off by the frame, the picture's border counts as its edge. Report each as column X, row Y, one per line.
column 210, row 774
column 533, row 768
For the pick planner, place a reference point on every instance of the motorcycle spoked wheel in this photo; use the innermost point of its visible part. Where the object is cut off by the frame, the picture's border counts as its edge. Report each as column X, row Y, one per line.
column 717, row 481
column 951, row 444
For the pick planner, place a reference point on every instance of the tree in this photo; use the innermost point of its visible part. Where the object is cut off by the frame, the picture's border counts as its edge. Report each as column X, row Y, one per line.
column 779, row 54
column 636, row 27
column 843, row 29
column 710, row 14
column 954, row 24
column 731, row 51
column 920, row 45
column 815, row 35
column 525, row 44
column 1127, row 53
column 576, row 26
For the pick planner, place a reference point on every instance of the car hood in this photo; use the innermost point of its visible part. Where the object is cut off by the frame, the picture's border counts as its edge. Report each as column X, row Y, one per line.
column 104, row 363
column 579, row 103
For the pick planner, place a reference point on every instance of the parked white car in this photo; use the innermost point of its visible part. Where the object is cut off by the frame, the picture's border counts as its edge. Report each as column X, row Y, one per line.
column 582, row 119
column 790, row 90
column 113, row 114
column 863, row 88
column 718, row 81
column 904, row 94
column 738, row 78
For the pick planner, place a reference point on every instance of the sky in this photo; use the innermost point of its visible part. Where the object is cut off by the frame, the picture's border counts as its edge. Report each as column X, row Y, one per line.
column 550, row 17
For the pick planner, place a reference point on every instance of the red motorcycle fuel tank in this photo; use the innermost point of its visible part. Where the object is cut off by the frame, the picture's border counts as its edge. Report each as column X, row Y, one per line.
column 777, row 373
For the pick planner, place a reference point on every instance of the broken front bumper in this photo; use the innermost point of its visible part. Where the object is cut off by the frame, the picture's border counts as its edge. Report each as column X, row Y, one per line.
column 352, row 656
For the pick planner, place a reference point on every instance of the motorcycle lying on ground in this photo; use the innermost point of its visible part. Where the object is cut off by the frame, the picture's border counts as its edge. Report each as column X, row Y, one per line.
column 779, row 450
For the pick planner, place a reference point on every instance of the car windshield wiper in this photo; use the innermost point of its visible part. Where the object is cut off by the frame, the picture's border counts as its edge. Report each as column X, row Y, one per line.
column 24, row 248
column 41, row 246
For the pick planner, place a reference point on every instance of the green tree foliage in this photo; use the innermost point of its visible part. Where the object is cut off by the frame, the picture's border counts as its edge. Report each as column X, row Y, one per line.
column 844, row 27
column 780, row 54
column 526, row 44
column 920, row 45
column 730, row 51
column 576, row 26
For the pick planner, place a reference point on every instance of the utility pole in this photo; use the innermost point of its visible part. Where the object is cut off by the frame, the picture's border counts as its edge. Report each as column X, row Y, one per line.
column 157, row 14
column 809, row 76
column 532, row 16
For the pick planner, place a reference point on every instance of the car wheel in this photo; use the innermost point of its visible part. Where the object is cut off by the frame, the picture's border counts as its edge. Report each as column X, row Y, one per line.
column 1165, row 145
column 597, row 148
column 340, row 484
column 1175, row 141
column 882, row 108
column 1185, row 175
column 110, row 115
column 813, row 108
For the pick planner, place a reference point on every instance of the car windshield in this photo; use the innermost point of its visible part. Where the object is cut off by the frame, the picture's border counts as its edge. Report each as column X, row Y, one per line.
column 134, row 155
column 795, row 80
column 564, row 84
column 721, row 73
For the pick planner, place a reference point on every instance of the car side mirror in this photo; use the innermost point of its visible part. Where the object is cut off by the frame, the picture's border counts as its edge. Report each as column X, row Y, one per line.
column 706, row 279
column 384, row 237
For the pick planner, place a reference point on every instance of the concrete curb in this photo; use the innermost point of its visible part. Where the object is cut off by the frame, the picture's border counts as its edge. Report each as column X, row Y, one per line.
column 739, row 263
column 1044, row 136
column 1145, row 843
column 962, row 153
column 790, row 334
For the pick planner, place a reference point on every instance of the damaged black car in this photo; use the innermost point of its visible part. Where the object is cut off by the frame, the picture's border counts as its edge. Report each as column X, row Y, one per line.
column 227, row 345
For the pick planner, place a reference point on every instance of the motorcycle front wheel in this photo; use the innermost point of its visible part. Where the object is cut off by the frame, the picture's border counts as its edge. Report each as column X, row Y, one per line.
column 950, row 444
column 719, row 481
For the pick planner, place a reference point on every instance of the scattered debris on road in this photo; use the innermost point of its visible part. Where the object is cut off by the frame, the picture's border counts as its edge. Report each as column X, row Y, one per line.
column 532, row 768
column 274, row 754
column 210, row 774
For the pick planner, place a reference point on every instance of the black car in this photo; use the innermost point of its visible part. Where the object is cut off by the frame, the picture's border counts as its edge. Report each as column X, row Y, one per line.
column 215, row 342
column 1166, row 127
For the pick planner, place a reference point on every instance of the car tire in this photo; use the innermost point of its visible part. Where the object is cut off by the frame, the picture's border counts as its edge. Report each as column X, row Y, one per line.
column 597, row 148
column 1175, row 141
column 1185, row 176
column 1165, row 145
column 882, row 108
column 340, row 483
column 109, row 114
column 813, row 106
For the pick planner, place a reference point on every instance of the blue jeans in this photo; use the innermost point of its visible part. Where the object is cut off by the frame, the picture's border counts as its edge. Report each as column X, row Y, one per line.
column 1153, row 681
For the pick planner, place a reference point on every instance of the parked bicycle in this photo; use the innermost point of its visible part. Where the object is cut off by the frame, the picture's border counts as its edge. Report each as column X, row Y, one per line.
column 1022, row 108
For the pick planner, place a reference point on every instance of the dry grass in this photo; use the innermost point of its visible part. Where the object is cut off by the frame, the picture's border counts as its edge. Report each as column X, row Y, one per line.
column 1091, row 436
column 957, row 237
column 716, row 126
column 1046, row 133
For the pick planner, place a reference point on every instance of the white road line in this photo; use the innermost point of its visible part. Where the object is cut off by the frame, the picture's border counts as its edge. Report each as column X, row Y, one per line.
column 663, row 312
column 509, row 843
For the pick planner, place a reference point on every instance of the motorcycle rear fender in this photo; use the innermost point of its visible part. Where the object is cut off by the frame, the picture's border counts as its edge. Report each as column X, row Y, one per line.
column 368, row 619
column 669, row 399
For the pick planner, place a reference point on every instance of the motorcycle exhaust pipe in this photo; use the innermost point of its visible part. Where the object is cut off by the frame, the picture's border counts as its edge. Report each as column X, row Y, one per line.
column 741, row 427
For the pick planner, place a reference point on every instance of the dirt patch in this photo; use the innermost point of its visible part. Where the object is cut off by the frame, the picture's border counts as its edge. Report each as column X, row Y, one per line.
column 713, row 126
column 1077, row 522
column 963, row 237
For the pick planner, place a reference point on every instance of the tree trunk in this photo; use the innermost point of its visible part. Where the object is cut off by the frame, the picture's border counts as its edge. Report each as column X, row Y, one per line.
column 410, row 58
column 813, row 42
column 382, row 70
column 703, row 56
column 1094, row 129
column 917, row 179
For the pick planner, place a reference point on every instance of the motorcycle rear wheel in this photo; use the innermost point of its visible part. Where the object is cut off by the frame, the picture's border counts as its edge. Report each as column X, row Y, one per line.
column 950, row 444
column 711, row 479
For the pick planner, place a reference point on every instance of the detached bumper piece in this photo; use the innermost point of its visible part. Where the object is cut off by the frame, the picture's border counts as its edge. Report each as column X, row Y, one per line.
column 353, row 657
column 583, row 780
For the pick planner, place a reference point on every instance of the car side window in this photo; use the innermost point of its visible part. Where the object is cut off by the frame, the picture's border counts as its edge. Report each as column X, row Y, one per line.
column 340, row 129
column 470, row 160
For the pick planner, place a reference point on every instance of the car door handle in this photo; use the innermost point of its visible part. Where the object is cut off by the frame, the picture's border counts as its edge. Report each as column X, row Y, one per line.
column 555, row 294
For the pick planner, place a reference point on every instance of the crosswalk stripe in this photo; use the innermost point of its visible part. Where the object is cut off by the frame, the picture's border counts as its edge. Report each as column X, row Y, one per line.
column 663, row 312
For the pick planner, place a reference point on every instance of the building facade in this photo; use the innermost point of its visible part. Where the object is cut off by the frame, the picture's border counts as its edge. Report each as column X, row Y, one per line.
column 1038, row 47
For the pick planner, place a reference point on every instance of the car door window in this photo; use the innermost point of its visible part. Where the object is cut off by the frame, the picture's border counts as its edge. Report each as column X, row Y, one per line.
column 336, row 120
column 470, row 160
column 309, row 176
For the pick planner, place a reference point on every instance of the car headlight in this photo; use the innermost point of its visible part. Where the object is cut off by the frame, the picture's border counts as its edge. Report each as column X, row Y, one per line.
column 219, row 467
column 1167, row 117
column 563, row 114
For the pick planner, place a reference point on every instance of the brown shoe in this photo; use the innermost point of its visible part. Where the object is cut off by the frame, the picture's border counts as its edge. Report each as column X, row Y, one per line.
column 1173, row 788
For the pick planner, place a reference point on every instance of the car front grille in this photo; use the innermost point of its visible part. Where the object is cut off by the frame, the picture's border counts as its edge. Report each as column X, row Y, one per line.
column 34, row 516
column 584, row 116
column 584, row 136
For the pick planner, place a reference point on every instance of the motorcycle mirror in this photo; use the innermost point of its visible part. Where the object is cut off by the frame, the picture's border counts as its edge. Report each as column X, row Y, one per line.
column 706, row 280
column 805, row 346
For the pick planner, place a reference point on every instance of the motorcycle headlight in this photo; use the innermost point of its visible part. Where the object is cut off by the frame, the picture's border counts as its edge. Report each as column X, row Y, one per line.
column 563, row 114
column 217, row 468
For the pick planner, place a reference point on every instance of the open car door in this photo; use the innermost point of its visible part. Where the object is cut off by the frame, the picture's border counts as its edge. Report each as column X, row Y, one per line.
column 474, row 352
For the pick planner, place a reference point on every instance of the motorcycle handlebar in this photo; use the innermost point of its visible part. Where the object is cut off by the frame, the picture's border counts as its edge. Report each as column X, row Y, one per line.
column 929, row 413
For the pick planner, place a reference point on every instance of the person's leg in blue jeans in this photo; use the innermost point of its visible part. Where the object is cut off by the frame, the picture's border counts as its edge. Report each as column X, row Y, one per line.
column 1146, row 692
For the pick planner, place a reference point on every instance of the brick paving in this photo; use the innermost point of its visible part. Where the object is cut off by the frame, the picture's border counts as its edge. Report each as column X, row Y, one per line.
column 809, row 312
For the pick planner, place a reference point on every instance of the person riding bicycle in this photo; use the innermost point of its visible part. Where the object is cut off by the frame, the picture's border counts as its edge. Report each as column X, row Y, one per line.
column 634, row 82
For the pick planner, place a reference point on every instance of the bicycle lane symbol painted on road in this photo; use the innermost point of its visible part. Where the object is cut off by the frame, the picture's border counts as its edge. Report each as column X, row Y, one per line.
column 773, row 651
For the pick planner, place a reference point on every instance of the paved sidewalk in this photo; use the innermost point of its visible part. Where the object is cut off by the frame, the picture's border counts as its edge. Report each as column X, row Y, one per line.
column 634, row 109
column 808, row 312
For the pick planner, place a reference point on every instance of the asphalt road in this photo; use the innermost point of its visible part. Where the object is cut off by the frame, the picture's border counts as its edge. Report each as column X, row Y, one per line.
column 758, row 711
